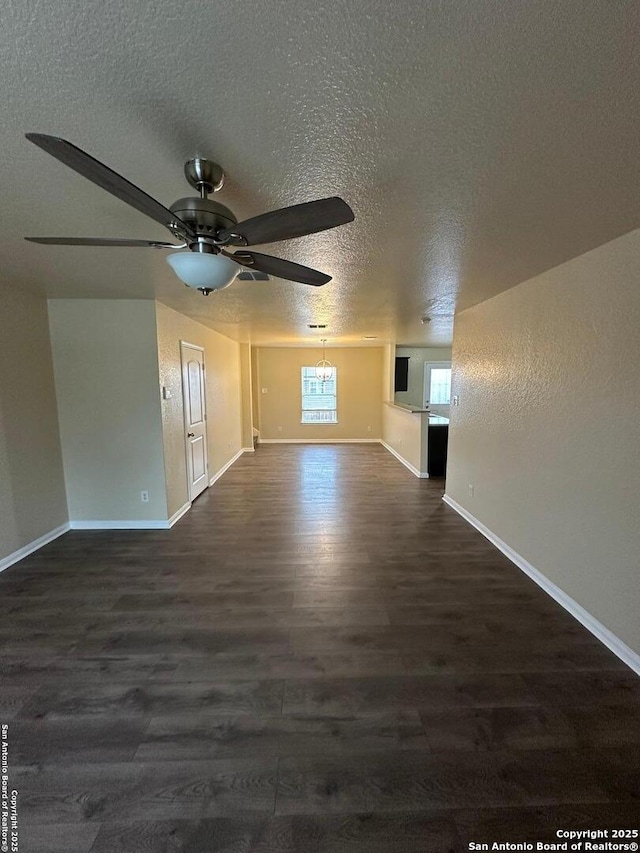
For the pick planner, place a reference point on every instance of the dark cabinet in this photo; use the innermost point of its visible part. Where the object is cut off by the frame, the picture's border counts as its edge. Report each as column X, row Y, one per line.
column 437, row 439
column 402, row 373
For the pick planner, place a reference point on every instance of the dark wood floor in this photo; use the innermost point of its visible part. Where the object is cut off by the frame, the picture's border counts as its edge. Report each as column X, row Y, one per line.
column 321, row 657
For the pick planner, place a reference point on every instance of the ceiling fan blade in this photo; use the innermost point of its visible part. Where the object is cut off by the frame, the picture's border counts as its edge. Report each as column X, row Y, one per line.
column 280, row 268
column 295, row 221
column 111, row 181
column 102, row 241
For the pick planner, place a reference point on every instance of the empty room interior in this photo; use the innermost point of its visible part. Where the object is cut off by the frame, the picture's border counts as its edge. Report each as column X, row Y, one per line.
column 320, row 426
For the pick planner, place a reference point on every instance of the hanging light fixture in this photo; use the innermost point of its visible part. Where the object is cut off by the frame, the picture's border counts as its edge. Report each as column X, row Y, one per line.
column 324, row 368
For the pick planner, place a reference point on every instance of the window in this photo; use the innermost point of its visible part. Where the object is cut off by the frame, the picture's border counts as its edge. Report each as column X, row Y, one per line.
column 319, row 400
column 437, row 383
column 440, row 386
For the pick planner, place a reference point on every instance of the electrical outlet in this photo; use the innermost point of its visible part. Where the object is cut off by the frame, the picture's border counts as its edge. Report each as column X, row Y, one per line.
column 279, row 429
column 456, row 400
column 470, row 490
column 264, row 390
column 144, row 497
column 368, row 429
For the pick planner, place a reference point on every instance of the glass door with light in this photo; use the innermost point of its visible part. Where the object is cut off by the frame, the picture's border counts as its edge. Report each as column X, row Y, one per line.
column 437, row 387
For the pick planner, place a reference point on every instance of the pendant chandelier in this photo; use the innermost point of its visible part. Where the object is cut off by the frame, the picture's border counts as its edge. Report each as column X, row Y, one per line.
column 324, row 368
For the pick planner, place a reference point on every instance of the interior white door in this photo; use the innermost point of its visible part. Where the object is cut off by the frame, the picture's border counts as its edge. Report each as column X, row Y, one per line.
column 195, row 417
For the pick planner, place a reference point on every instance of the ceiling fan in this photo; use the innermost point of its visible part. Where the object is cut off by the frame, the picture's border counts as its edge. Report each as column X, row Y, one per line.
column 204, row 227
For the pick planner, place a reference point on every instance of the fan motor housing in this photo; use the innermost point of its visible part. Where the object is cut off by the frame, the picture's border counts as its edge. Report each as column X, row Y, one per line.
column 205, row 216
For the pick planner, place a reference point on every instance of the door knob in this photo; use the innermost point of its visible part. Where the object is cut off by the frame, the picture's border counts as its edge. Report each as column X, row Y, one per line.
column 191, row 435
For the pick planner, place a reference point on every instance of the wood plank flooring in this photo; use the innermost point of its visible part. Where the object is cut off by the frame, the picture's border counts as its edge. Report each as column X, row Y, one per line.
column 321, row 657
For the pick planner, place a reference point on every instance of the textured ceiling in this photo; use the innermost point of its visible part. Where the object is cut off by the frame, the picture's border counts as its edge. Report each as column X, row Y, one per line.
column 478, row 142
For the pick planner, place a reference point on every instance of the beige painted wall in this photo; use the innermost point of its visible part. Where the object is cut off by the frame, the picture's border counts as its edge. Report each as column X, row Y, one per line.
column 418, row 356
column 404, row 432
column 388, row 370
column 255, row 389
column 224, row 404
column 32, row 494
column 359, row 393
column 548, row 427
column 247, row 396
column 106, row 374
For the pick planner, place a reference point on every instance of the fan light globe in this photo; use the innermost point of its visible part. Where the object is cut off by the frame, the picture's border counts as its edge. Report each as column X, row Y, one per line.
column 213, row 272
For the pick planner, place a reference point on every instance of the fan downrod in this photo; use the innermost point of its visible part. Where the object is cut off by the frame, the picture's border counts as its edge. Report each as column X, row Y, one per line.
column 204, row 175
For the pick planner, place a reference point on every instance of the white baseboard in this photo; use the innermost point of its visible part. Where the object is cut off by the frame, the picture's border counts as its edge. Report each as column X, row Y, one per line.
column 177, row 515
column 602, row 633
column 248, row 450
column 121, row 524
column 32, row 546
column 404, row 461
column 319, row 441
column 227, row 465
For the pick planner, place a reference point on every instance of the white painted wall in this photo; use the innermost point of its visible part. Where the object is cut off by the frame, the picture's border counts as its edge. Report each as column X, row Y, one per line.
column 548, row 427
column 32, row 494
column 106, row 375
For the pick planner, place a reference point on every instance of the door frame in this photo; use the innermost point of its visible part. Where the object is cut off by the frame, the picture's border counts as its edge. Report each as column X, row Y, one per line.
column 185, row 425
